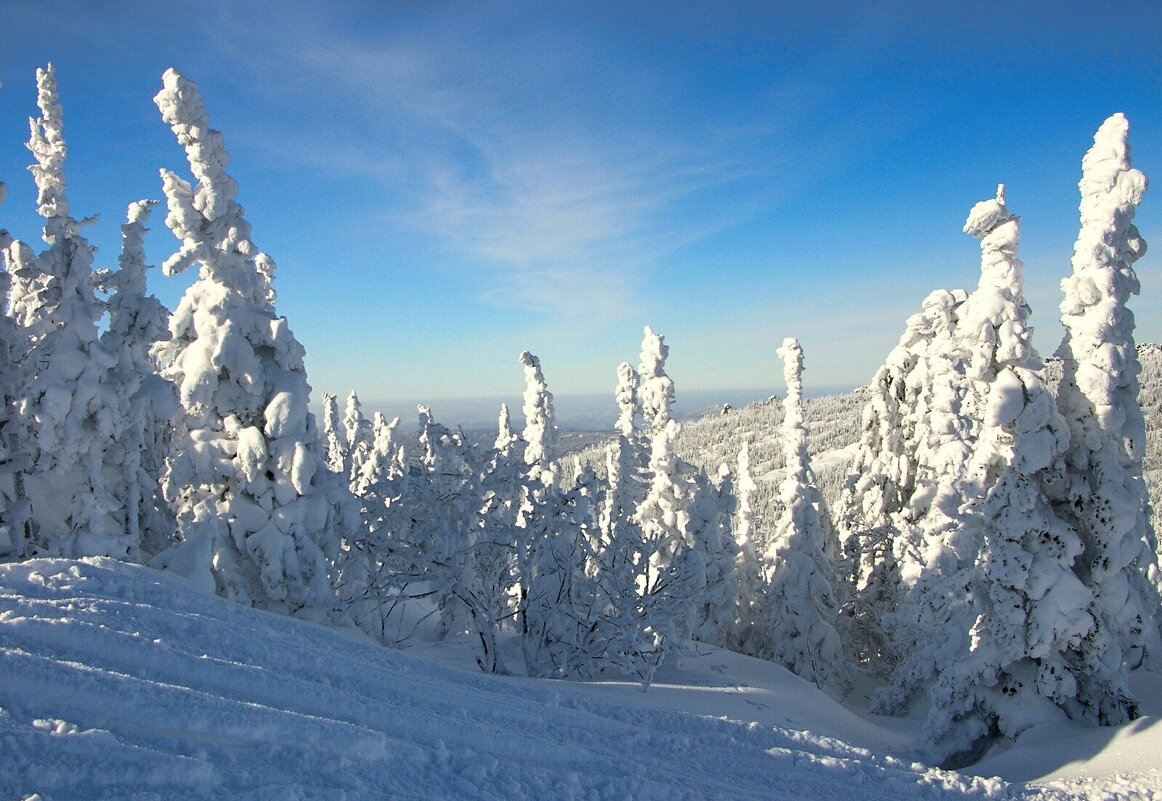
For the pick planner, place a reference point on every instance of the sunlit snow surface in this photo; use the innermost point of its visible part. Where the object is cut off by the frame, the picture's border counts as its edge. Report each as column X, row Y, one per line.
column 120, row 682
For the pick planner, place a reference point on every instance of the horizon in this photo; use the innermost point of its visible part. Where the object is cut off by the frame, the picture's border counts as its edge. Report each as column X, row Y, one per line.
column 445, row 186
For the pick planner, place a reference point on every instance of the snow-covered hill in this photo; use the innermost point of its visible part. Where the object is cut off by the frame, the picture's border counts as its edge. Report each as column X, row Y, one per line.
column 122, row 682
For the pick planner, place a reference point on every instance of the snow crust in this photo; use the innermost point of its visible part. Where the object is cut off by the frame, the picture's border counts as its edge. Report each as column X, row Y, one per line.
column 124, row 682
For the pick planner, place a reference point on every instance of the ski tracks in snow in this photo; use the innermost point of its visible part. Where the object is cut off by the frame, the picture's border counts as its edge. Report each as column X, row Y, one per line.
column 120, row 682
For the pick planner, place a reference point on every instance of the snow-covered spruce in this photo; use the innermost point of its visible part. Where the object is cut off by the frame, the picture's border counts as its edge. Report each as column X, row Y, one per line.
column 655, row 390
column 69, row 406
column 878, row 493
column 799, row 611
column 258, row 513
column 13, row 343
column 1104, row 494
column 357, row 437
column 334, row 436
column 740, row 635
column 138, row 321
column 548, row 550
column 1030, row 654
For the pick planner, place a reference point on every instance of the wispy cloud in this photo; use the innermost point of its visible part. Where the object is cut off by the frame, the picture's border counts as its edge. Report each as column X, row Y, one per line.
column 507, row 152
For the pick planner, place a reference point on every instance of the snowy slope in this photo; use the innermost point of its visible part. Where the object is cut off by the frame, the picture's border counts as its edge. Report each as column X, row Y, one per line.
column 120, row 682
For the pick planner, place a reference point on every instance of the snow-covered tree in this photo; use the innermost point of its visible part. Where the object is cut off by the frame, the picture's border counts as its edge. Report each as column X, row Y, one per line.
column 358, row 437
column 334, row 436
column 1104, row 495
column 13, row 507
column 655, row 392
column 711, row 514
column 69, row 409
column 1029, row 651
column 801, row 602
column 546, row 550
column 505, row 438
column 384, row 462
column 259, row 516
column 747, row 569
column 138, row 321
column 876, row 503
column 626, row 396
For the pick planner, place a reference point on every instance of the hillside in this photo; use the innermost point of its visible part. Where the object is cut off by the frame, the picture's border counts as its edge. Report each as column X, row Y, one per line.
column 121, row 682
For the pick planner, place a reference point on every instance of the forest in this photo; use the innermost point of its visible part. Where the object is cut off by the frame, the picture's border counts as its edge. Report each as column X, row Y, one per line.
column 990, row 551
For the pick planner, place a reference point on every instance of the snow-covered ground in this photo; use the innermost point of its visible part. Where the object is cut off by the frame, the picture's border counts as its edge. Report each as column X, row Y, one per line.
column 117, row 681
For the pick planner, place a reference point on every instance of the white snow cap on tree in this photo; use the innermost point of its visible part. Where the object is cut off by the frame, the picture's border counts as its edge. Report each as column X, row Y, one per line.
column 540, row 434
column 247, row 452
column 505, row 438
column 656, row 389
column 1098, row 395
column 626, row 395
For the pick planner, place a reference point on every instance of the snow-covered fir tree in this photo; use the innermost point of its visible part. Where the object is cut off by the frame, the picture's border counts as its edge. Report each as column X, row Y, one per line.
column 801, row 603
column 747, row 568
column 259, row 515
column 655, row 390
column 1029, row 651
column 1104, row 495
column 357, row 437
column 876, row 503
column 138, row 321
column 69, row 409
column 505, row 438
column 547, row 550
column 626, row 396
column 334, row 436
column 13, row 507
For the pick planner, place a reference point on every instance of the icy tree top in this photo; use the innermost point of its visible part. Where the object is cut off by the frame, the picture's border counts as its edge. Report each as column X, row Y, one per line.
column 540, row 432
column 207, row 220
column 794, row 433
column 626, row 395
column 1093, row 309
column 181, row 107
column 504, row 436
column 131, row 263
column 995, row 316
column 1108, row 240
column 656, row 389
column 48, row 146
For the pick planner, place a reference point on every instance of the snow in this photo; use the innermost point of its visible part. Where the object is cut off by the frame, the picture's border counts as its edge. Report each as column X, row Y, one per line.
column 125, row 682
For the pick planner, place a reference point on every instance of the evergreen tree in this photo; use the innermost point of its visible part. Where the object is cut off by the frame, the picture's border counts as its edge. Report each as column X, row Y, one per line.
column 334, row 436
column 69, row 408
column 1104, row 495
column 1028, row 654
column 258, row 516
column 13, row 506
column 801, row 603
column 136, row 323
column 655, row 391
column 877, row 497
column 357, row 436
column 747, row 568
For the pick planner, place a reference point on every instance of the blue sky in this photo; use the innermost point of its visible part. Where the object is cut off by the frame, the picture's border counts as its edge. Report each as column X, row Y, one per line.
column 445, row 185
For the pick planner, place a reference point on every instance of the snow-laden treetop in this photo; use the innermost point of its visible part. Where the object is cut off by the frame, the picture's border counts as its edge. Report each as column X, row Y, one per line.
column 207, row 219
column 48, row 146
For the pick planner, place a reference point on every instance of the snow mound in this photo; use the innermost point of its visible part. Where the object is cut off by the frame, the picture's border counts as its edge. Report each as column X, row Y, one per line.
column 123, row 682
